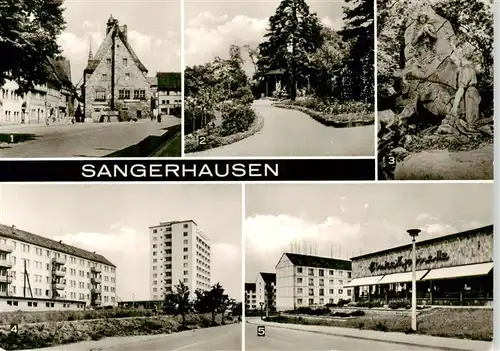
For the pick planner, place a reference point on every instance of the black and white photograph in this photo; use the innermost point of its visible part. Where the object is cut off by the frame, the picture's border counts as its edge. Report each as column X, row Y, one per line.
column 90, row 79
column 279, row 78
column 435, row 89
column 381, row 266
column 124, row 267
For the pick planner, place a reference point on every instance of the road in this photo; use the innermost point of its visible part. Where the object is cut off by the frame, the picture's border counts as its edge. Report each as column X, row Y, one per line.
column 280, row 339
column 78, row 140
column 293, row 133
column 226, row 338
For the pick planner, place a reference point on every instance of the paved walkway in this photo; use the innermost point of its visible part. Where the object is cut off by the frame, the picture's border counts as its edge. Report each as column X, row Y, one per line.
column 397, row 338
column 293, row 133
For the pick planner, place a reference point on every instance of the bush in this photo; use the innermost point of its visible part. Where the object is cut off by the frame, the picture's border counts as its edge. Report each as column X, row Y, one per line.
column 343, row 302
column 238, row 119
column 244, row 95
column 396, row 304
column 357, row 313
column 380, row 327
column 369, row 304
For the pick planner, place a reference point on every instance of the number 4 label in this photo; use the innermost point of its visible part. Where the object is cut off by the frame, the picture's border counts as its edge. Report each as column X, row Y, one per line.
column 14, row 328
column 261, row 330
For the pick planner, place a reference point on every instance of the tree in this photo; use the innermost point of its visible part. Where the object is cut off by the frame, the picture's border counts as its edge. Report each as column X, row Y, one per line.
column 181, row 300
column 216, row 300
column 359, row 31
column 28, row 37
column 293, row 34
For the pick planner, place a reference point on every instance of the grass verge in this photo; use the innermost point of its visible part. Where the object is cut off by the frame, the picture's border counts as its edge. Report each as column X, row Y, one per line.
column 49, row 334
column 191, row 143
column 474, row 324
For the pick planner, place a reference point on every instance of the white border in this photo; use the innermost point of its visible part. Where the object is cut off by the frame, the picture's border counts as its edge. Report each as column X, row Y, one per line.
column 375, row 87
column 243, row 266
column 183, row 65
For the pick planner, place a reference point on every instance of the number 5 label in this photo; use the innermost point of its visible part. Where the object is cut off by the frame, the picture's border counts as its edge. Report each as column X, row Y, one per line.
column 261, row 330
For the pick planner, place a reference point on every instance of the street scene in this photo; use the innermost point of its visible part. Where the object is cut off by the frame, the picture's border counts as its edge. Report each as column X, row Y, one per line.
column 334, row 260
column 120, row 281
column 257, row 86
column 435, row 89
column 101, row 82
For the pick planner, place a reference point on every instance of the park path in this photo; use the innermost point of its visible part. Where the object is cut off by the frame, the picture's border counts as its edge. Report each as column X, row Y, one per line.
column 293, row 133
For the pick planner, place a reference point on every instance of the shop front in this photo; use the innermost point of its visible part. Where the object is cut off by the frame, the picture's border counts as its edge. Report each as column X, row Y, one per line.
column 455, row 269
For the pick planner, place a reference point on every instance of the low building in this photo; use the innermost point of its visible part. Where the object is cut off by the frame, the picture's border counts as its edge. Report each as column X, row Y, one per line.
column 455, row 269
column 169, row 93
column 250, row 297
column 37, row 273
column 61, row 94
column 265, row 286
column 303, row 280
column 142, row 305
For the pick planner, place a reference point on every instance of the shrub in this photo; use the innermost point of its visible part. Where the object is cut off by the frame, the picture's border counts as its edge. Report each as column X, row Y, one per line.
column 343, row 302
column 244, row 95
column 369, row 304
column 238, row 119
column 380, row 327
column 357, row 313
column 396, row 304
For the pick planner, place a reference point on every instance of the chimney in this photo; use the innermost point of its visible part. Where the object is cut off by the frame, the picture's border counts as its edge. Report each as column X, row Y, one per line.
column 110, row 24
column 124, row 31
column 60, row 241
column 13, row 227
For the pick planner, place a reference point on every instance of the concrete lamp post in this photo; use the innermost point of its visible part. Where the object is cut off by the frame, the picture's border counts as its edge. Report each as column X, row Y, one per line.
column 413, row 233
column 261, row 314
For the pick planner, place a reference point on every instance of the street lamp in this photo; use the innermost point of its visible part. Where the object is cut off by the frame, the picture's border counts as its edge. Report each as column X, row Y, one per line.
column 413, row 233
column 261, row 305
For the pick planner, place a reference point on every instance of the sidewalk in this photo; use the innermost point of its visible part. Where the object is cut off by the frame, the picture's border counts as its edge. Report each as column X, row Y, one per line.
column 397, row 338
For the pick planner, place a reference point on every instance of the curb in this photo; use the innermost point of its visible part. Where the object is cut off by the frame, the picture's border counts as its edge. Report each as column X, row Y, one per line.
column 318, row 116
column 372, row 339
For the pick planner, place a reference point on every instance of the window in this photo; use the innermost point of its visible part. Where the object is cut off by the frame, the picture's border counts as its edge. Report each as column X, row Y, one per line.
column 321, row 292
column 185, row 242
column 125, row 61
column 185, row 257
column 299, row 269
column 123, row 94
column 331, row 272
column 185, row 249
column 100, row 95
column 311, row 292
column 139, row 94
column 185, row 272
column 299, row 290
column 311, row 301
column 108, row 61
column 349, row 292
column 299, row 301
column 311, row 271
column 321, row 282
column 341, row 291
column 185, row 234
column 348, row 274
column 311, row 282
column 330, row 291
column 104, row 76
column 127, row 76
column 321, row 272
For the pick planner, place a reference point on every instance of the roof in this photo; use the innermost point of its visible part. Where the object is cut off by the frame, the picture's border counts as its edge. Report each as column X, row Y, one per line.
column 268, row 277
column 250, row 287
column 169, row 80
column 488, row 228
column 152, row 80
column 106, row 44
column 162, row 224
column 59, row 70
column 38, row 240
column 318, row 261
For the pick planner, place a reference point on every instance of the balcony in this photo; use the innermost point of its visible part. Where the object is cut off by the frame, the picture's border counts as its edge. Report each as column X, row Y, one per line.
column 6, row 263
column 95, row 270
column 96, row 280
column 96, row 291
column 59, row 260
column 6, row 279
column 59, row 272
column 6, row 248
column 96, row 302
column 59, row 285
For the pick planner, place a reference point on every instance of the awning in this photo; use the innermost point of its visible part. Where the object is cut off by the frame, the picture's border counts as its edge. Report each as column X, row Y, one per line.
column 363, row 281
column 471, row 270
column 401, row 277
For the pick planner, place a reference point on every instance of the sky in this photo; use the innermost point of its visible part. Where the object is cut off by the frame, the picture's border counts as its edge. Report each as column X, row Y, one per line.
column 154, row 31
column 342, row 221
column 113, row 220
column 212, row 26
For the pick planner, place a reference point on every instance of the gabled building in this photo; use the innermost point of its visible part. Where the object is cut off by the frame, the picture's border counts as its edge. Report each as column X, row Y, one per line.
column 115, row 79
column 303, row 280
column 169, row 93
column 61, row 94
column 265, row 288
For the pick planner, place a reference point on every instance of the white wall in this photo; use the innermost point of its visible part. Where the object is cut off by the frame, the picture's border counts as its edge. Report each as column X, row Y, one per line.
column 284, row 285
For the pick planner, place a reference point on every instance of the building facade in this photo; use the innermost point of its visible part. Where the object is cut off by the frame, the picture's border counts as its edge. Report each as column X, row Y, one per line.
column 265, row 286
column 169, row 93
column 455, row 269
column 250, row 297
column 180, row 252
column 37, row 273
column 115, row 80
column 303, row 280
column 55, row 98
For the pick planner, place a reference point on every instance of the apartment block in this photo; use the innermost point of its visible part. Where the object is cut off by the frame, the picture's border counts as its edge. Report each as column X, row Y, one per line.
column 38, row 273
column 265, row 288
column 250, row 297
column 303, row 280
column 180, row 251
